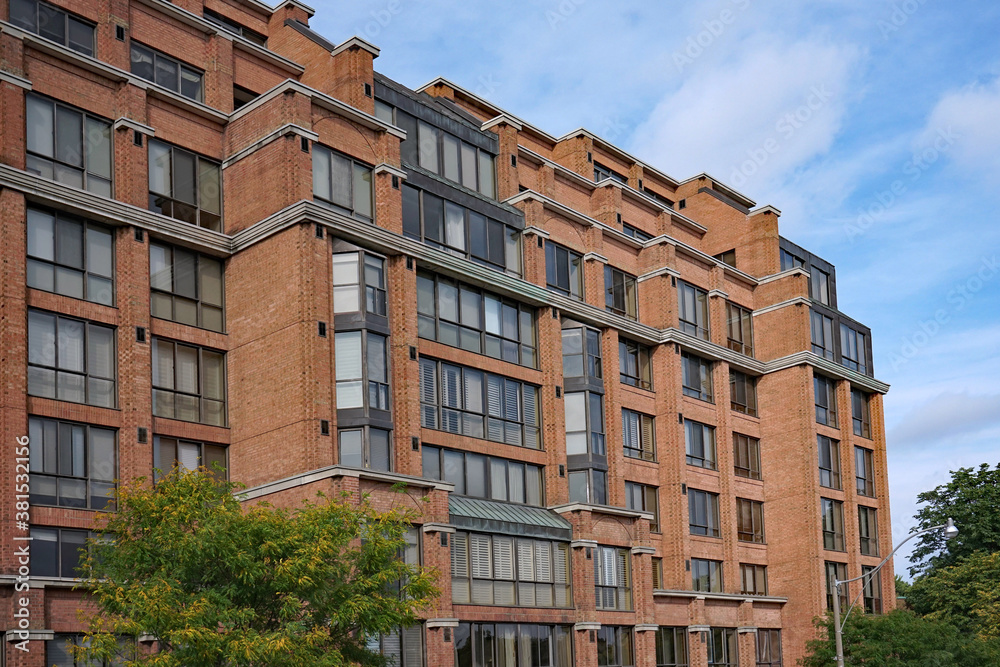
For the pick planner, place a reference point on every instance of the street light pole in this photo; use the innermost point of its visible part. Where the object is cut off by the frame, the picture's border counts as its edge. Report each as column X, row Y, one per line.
column 950, row 531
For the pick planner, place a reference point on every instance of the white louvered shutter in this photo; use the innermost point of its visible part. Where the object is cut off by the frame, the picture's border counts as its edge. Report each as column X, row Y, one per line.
column 460, row 568
column 503, row 570
column 482, row 569
column 560, row 574
column 525, row 573
column 543, row 574
column 413, row 649
column 428, row 393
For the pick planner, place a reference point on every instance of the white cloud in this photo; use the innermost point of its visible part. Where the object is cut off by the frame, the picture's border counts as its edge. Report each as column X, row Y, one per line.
column 945, row 418
column 970, row 115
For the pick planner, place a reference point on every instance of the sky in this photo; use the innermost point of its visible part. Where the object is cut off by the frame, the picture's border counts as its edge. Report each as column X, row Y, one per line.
column 874, row 126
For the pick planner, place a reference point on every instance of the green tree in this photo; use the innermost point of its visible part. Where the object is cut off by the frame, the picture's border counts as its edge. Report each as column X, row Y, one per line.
column 218, row 583
column 903, row 587
column 972, row 499
column 966, row 595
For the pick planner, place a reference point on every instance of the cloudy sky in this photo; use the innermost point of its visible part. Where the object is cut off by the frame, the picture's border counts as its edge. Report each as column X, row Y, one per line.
column 873, row 126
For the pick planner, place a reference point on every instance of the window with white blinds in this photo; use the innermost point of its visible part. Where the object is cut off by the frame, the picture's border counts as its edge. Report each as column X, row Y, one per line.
column 613, row 577
column 404, row 647
column 638, row 437
column 508, row 571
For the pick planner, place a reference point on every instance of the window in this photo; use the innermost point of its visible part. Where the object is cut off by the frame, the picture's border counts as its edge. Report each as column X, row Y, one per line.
column 740, row 329
column 167, row 72
column 825, row 391
column 365, row 448
column 742, row 392
column 872, row 589
column 634, row 364
column 614, row 646
column 402, row 647
column 768, row 648
column 601, row 172
column 70, row 256
column 189, row 383
column 482, row 476
column 819, row 285
column 460, row 231
column 829, row 462
column 822, row 335
column 868, row 530
column 187, row 455
column 656, row 572
column 588, row 486
column 479, row 405
column 706, row 575
column 55, row 552
column 696, row 377
column 488, row 644
column 620, row 294
column 463, row 316
column 71, row 360
column 584, row 423
column 232, row 26
column 343, row 183
column 750, row 520
column 581, row 350
column 53, row 23
column 671, row 647
column 356, row 274
column 59, row 654
column 833, row 524
column 722, row 648
column 643, row 498
column 185, row 287
column 861, row 413
column 836, row 571
column 636, row 233
column 854, row 354
column 699, row 443
column 746, row 456
column 444, row 154
column 727, row 257
column 703, row 513
column 67, row 145
column 864, row 471
column 72, row 465
column 754, row 579
column 790, row 261
column 638, row 439
column 508, row 571
column 362, row 360
column 563, row 271
column 693, row 310
column 185, row 186
column 613, row 574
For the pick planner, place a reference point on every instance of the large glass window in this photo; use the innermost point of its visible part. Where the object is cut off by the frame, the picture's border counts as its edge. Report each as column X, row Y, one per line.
column 365, row 448
column 768, row 648
column 620, row 293
column 508, row 571
column 754, row 579
column 362, row 360
column 723, row 650
column 358, row 283
column 706, row 575
column 853, row 352
column 833, row 524
column 696, row 377
column 168, row 72
column 693, row 310
column 746, row 456
column 739, row 326
column 836, row 571
column 444, row 154
column 671, row 647
column 743, row 392
column 563, row 270
column 479, row 405
column 57, row 552
column 634, row 364
column 343, row 182
column 588, row 486
column 581, row 351
column 187, row 455
column 189, row 383
column 872, row 589
column 72, row 465
column 510, row 645
column 59, row 654
column 703, row 513
column 70, row 256
column 825, row 391
column 232, row 26
column 699, row 443
column 861, row 415
column 829, row 462
column 868, row 530
column 185, row 287
column 483, row 476
column 402, row 647
column 463, row 316
column 819, row 285
column 638, row 435
column 584, row 423
column 790, row 261
column 601, row 172
column 750, row 520
column 54, row 23
column 71, row 360
column 613, row 577
column 864, row 471
column 185, row 186
column 68, row 145
column 822, row 335
column 614, row 646
column 644, row 498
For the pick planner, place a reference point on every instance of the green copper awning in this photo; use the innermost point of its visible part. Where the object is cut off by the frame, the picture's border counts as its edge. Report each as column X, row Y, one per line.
column 507, row 518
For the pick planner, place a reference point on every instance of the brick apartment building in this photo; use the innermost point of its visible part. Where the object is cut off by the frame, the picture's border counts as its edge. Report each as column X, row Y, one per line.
column 628, row 411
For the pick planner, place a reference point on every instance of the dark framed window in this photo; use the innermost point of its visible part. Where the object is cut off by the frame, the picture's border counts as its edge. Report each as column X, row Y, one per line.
column 768, row 648
column 821, row 328
column 72, row 465
column 620, row 293
column 442, row 153
column 362, row 370
column 864, row 471
column 483, row 476
column 727, row 257
column 232, row 26
column 829, row 462
column 188, row 455
column 636, row 233
column 853, row 351
column 359, row 283
column 634, row 366
column 656, row 572
column 466, row 317
column 868, row 530
column 70, row 256
column 739, row 327
column 819, row 285
column 671, row 647
column 790, row 261
column 693, row 310
column 696, row 377
column 366, row 447
column 703, row 513
column 657, row 197
column 825, row 391
column 601, row 172
column 68, row 145
column 509, row 571
column 750, row 520
column 581, row 352
column 403, row 647
column 723, row 650
column 638, row 435
column 54, row 23
column 185, row 186
column 836, row 571
column 614, row 646
column 742, row 392
column 706, row 575
column 564, row 270
column 57, row 552
column 861, row 413
column 644, row 498
column 186, row 287
column 343, row 183
column 488, row 644
column 584, row 423
column 168, row 72
column 746, row 456
column 613, row 577
column 699, row 445
column 588, row 486
column 71, row 360
column 58, row 652
column 872, row 589
column 833, row 524
column 753, row 579
column 467, row 401
column 189, row 383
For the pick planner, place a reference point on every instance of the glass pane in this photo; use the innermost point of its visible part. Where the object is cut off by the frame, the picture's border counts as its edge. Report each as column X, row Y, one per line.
column 102, row 454
column 209, row 187
column 213, row 369
column 165, row 72
column 162, row 306
column 362, row 191
column 69, row 282
column 376, row 355
column 476, row 475
column 159, row 167
column 99, row 253
column 187, row 369
column 98, row 147
column 41, row 235
column 190, row 84
column 352, row 448
column 69, row 243
column 142, row 62
column 70, row 345
column 184, row 176
column 321, row 172
column 101, row 351
column 40, row 126
column 451, row 149
column 22, row 14
column 213, row 455
column 486, row 185
column 210, row 274
column 70, row 387
column 378, row 450
column 41, row 275
column 41, row 338
column 477, row 236
column 340, row 172
column 428, row 150
column 81, row 36
column 469, row 166
column 411, row 209
column 454, row 226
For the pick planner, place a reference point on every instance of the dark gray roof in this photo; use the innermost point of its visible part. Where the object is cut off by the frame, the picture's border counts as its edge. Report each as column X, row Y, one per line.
column 508, row 518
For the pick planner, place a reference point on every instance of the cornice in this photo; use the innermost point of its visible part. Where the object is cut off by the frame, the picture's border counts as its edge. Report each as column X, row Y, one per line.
column 331, row 472
column 662, row 592
column 15, row 80
column 601, row 509
column 794, row 271
column 355, row 42
column 135, row 126
column 284, row 130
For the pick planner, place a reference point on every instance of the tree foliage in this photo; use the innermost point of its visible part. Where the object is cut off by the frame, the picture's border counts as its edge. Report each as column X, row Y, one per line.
column 966, row 595
column 218, row 583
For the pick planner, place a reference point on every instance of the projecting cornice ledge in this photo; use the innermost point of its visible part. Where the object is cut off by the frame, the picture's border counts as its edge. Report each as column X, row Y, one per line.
column 733, row 597
column 828, row 368
column 331, row 472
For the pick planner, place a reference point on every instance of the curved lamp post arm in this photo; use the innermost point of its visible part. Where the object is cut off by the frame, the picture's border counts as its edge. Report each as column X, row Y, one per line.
column 944, row 526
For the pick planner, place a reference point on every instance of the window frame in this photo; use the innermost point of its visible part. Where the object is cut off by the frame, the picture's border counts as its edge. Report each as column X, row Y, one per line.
column 679, row 643
column 590, row 354
column 553, row 251
column 749, row 383
column 767, row 656
column 751, row 456
column 595, row 486
column 739, row 329
column 821, row 335
column 595, row 429
column 180, row 68
column 726, row 640
column 38, row 446
column 60, row 565
column 86, row 272
column 68, row 17
column 864, row 471
column 602, row 172
column 617, row 585
column 853, row 342
column 233, row 27
column 752, row 511
column 158, row 454
column 790, row 261
column 703, row 368
column 699, row 322
column 838, row 571
column 200, row 303
column 634, row 232
column 643, row 361
column 372, row 299
column 830, row 468
column 619, row 644
column 161, row 202
column 485, row 184
column 381, row 387
column 832, row 521
column 649, row 501
column 755, row 574
column 819, row 285
column 84, row 168
column 87, row 362
column 710, row 507
column 826, row 413
column 320, row 151
column 707, row 570
column 709, row 459
column 511, row 466
column 618, row 283
column 871, row 589
column 643, row 445
column 868, row 530
column 200, row 394
column 861, row 415
column 366, row 448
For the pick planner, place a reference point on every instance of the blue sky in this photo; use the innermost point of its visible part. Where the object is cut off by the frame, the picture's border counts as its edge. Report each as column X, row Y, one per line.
column 873, row 126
